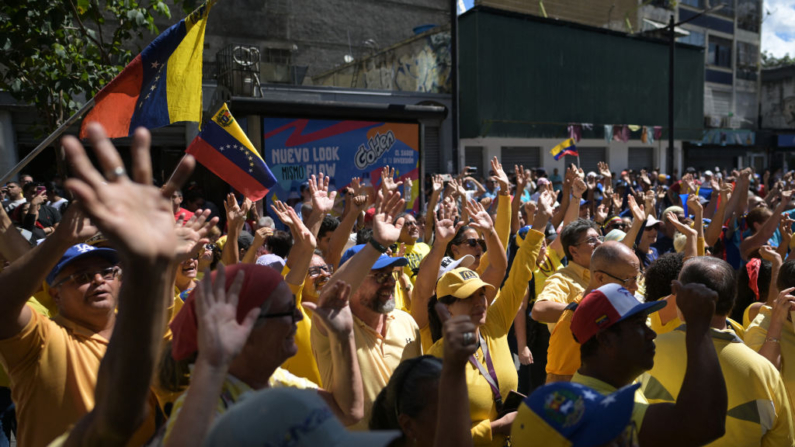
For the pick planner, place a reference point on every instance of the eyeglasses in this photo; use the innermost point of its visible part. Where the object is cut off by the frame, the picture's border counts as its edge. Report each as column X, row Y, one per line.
column 411, row 223
column 593, row 240
column 293, row 313
column 210, row 247
column 381, row 278
column 617, row 226
column 473, row 242
column 650, row 228
column 83, row 278
column 316, row 271
column 634, row 279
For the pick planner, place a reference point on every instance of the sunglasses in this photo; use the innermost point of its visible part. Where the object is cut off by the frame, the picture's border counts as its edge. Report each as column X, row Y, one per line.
column 381, row 278
column 474, row 242
column 617, row 226
column 210, row 247
column 317, row 271
column 83, row 278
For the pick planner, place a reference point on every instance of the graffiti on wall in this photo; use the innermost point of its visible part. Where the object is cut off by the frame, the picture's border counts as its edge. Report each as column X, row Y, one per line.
column 419, row 64
column 778, row 104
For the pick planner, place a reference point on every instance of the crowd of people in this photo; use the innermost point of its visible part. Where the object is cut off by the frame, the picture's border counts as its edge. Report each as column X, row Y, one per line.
column 525, row 308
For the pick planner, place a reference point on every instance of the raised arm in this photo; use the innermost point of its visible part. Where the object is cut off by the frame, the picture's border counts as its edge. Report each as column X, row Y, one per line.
column 235, row 219
column 498, row 260
column 322, row 201
column 699, row 415
column 713, row 231
column 782, row 305
column 136, row 217
column 698, row 222
column 568, row 182
column 341, row 235
column 691, row 245
column 638, row 223
column 760, row 238
column 785, row 228
column 503, row 221
column 425, row 283
column 430, row 213
column 516, row 202
column 333, row 318
column 260, row 238
column 12, row 244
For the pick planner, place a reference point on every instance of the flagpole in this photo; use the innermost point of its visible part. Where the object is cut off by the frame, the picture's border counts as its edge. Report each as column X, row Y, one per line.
column 47, row 141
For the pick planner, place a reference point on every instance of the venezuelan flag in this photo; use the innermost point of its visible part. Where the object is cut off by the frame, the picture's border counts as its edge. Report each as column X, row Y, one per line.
column 223, row 148
column 162, row 85
column 567, row 147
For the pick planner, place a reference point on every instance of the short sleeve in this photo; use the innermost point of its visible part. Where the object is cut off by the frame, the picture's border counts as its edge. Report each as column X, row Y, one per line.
column 22, row 350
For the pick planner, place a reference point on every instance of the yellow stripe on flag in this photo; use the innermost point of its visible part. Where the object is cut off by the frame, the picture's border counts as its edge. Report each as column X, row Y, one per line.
column 225, row 119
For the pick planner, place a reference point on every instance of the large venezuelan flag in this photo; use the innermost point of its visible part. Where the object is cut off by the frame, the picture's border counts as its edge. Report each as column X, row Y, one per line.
column 567, row 147
column 223, row 148
column 162, row 85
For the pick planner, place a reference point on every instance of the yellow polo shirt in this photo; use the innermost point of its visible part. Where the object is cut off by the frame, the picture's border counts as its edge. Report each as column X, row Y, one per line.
column 760, row 412
column 378, row 356
column 563, row 354
column 499, row 319
column 551, row 266
column 565, row 286
column 641, row 403
column 53, row 366
column 234, row 389
column 755, row 337
column 164, row 396
column 303, row 364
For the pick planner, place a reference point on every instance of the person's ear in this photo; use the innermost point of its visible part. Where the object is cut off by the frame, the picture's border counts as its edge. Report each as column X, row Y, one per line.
column 408, row 427
column 55, row 293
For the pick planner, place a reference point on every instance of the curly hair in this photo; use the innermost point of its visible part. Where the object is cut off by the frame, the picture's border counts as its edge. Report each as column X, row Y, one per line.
column 660, row 273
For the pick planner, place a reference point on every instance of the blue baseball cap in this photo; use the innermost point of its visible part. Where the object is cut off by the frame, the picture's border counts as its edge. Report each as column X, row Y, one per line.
column 80, row 251
column 584, row 202
column 571, row 414
column 383, row 261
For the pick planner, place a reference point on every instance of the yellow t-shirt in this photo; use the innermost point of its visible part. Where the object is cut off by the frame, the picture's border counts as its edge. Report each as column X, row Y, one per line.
column 378, row 356
column 303, row 363
column 565, row 286
column 563, row 354
column 755, row 337
column 164, row 396
column 235, row 389
column 641, row 402
column 53, row 366
column 42, row 310
column 656, row 324
column 502, row 225
column 415, row 253
column 760, row 412
column 499, row 319
column 551, row 265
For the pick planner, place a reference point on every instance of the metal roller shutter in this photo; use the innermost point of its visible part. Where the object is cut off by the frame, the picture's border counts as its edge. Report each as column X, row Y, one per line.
column 641, row 158
column 474, row 157
column 529, row 157
column 432, row 150
column 589, row 158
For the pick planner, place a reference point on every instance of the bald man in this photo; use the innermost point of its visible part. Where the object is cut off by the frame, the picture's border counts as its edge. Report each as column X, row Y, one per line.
column 611, row 263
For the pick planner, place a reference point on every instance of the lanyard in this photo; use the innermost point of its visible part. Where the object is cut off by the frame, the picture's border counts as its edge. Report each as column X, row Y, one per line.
column 490, row 375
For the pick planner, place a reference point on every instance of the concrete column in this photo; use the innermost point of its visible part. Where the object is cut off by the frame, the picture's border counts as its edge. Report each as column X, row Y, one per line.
column 8, row 148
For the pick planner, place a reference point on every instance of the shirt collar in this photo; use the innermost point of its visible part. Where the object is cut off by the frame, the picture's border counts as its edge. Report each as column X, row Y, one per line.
column 725, row 334
column 77, row 329
column 580, row 271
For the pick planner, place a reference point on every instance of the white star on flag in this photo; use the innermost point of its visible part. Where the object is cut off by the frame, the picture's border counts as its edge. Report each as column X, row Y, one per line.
column 590, row 395
column 608, row 400
column 155, row 64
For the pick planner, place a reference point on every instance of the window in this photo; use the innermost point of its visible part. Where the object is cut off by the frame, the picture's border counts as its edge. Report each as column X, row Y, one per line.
column 720, row 52
column 747, row 61
column 695, row 38
column 473, row 156
column 694, row 3
column 277, row 56
column 528, row 157
column 726, row 11
column 748, row 15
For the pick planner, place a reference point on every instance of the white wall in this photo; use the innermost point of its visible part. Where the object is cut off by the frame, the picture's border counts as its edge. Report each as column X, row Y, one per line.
column 617, row 152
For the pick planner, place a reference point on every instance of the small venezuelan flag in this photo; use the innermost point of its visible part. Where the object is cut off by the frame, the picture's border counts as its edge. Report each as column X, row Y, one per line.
column 162, row 85
column 567, row 147
column 224, row 149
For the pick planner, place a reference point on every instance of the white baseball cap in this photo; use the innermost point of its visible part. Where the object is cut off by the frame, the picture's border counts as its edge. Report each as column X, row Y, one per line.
column 449, row 264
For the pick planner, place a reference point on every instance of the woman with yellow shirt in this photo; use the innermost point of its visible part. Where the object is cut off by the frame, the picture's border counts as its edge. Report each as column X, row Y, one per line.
column 491, row 374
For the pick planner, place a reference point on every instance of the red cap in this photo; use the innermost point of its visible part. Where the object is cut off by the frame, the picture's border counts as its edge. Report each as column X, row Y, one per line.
column 369, row 214
column 605, row 307
column 258, row 284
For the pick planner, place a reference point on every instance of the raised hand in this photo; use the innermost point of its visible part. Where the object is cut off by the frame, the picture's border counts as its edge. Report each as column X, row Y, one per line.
column 458, row 344
column 388, row 183
column 637, row 211
column 193, row 234
column 601, row 213
column 134, row 215
column 333, row 309
column 530, row 209
column 236, row 214
column 446, row 228
column 288, row 216
column 480, row 218
column 407, row 188
column 437, row 183
column 661, row 193
column 281, row 210
column 694, row 204
column 220, row 336
column 697, row 303
column 500, row 176
column 783, row 305
column 578, row 172
column 785, row 228
column 725, row 191
column 521, row 178
column 644, row 177
column 546, row 202
column 769, row 253
column 687, row 230
column 386, row 230
column 359, row 202
column 649, row 200
column 604, row 170
column 322, row 200
column 38, row 199
column 578, row 188
column 617, row 202
column 356, row 186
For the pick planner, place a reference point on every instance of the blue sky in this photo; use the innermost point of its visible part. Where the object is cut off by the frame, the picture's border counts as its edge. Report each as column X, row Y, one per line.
column 778, row 28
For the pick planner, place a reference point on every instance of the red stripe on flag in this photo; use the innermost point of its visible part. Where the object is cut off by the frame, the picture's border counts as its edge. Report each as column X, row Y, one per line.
column 115, row 103
column 229, row 172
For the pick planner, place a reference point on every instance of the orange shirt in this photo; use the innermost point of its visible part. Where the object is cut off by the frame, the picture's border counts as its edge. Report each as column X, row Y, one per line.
column 53, row 366
column 563, row 354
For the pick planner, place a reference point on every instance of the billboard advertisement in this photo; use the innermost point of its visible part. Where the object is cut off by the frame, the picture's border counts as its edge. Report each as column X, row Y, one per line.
column 295, row 149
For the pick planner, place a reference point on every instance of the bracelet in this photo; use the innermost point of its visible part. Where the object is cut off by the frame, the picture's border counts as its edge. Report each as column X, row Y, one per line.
column 377, row 246
column 771, row 339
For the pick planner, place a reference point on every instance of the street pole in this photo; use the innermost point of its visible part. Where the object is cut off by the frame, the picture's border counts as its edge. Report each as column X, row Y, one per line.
column 671, row 51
